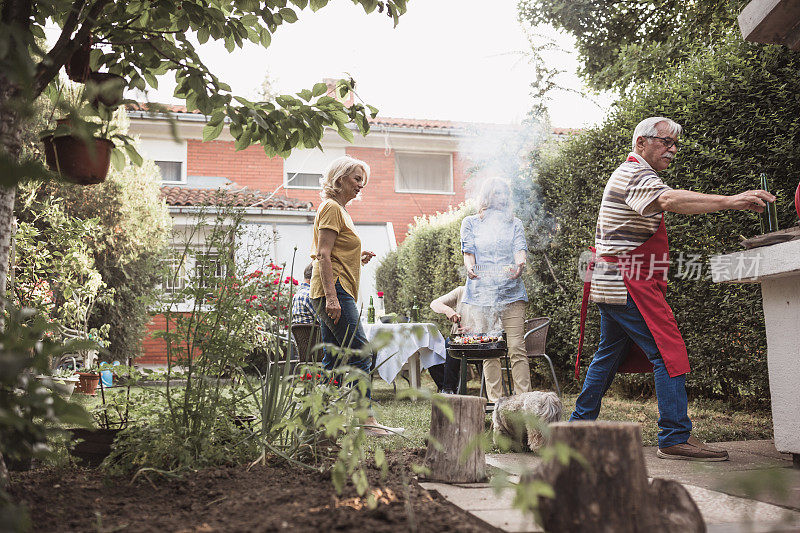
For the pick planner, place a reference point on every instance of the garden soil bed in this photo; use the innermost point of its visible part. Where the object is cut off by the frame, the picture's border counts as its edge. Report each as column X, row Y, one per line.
column 274, row 497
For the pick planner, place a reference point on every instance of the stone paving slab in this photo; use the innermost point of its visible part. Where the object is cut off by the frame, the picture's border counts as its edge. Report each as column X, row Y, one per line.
column 717, row 488
column 751, row 463
column 481, row 501
column 725, row 510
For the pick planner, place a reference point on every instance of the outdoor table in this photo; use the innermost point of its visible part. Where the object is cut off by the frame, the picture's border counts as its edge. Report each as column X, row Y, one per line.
column 412, row 343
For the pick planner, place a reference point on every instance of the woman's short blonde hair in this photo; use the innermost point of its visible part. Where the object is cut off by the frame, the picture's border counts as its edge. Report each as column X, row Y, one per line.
column 340, row 167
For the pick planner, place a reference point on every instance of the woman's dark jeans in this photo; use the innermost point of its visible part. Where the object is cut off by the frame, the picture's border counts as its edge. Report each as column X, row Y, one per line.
column 347, row 333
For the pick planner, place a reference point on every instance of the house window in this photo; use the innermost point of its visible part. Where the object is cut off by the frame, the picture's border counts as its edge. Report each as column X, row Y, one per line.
column 304, row 168
column 170, row 170
column 423, row 172
column 303, row 180
column 169, row 155
column 208, row 268
column 174, row 274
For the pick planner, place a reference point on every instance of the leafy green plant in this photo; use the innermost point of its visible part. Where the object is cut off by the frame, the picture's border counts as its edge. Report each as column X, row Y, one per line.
column 54, row 271
column 29, row 411
column 83, row 117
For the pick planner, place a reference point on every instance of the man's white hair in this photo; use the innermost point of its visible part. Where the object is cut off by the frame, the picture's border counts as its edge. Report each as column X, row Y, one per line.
column 647, row 128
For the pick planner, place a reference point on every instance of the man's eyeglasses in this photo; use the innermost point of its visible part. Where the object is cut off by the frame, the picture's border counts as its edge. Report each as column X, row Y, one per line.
column 668, row 141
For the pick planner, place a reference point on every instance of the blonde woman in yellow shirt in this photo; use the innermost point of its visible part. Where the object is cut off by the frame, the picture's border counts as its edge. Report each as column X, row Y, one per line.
column 338, row 257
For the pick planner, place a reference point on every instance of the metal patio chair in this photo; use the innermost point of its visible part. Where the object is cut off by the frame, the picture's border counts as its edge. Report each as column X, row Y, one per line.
column 535, row 341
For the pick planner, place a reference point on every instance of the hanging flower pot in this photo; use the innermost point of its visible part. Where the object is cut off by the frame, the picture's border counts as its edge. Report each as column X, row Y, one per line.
column 78, row 65
column 76, row 160
column 107, row 88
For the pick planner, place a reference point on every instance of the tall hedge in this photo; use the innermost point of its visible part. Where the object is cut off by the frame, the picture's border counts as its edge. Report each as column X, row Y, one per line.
column 426, row 265
column 739, row 105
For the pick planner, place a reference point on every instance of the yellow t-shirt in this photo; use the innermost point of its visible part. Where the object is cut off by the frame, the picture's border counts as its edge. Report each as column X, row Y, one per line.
column 346, row 253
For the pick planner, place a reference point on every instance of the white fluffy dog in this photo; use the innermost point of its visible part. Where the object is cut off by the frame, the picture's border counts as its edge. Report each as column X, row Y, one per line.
column 511, row 412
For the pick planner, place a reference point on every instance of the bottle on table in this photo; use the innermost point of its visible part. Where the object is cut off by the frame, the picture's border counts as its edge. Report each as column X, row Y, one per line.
column 415, row 312
column 371, row 312
column 380, row 310
column 769, row 217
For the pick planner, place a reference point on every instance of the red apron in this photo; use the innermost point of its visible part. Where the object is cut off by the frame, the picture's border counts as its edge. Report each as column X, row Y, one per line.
column 645, row 273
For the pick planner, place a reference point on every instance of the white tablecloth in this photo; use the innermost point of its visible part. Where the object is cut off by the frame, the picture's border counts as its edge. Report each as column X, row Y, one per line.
column 403, row 342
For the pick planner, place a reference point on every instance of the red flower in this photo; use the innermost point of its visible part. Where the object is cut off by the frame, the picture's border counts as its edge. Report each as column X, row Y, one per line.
column 380, row 294
column 253, row 297
column 335, row 382
column 295, row 281
column 276, row 281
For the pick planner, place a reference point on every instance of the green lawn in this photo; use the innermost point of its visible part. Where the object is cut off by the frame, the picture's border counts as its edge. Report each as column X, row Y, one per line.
column 713, row 421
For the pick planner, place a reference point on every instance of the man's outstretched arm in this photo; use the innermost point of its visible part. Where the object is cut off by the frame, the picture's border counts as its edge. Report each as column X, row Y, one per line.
column 694, row 203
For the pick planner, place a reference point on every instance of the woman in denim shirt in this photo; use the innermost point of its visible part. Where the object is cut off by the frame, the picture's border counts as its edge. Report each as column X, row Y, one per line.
column 494, row 248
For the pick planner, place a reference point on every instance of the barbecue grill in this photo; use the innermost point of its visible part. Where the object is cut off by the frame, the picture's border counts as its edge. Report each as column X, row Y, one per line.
column 473, row 353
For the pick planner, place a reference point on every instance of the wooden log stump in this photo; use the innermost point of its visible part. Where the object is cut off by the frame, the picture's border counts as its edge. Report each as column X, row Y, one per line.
column 611, row 493
column 446, row 462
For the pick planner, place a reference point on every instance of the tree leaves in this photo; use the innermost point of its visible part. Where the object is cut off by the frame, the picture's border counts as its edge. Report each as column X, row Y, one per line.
column 621, row 43
column 211, row 131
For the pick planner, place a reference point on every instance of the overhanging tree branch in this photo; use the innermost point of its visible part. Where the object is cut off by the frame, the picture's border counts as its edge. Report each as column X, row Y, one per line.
column 48, row 68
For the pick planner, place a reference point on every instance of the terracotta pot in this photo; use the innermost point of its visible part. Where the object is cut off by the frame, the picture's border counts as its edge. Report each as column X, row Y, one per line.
column 72, row 158
column 110, row 88
column 87, row 383
column 797, row 200
column 95, row 446
column 78, row 65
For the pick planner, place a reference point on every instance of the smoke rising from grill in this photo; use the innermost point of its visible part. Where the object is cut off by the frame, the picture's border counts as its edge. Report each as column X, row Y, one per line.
column 504, row 152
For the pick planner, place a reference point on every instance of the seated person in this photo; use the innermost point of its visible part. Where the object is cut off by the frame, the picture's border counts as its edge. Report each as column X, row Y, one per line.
column 302, row 310
column 451, row 305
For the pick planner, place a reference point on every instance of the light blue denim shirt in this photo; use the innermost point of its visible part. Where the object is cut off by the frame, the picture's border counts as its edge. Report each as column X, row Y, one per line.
column 493, row 240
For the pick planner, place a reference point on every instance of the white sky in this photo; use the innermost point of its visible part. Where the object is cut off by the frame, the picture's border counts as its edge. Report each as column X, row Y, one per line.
column 447, row 59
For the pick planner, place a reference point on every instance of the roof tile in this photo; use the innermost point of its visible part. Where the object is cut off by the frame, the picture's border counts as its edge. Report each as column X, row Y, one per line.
column 389, row 122
column 186, row 196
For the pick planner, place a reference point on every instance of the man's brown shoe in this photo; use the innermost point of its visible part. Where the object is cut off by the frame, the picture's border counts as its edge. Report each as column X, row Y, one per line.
column 692, row 450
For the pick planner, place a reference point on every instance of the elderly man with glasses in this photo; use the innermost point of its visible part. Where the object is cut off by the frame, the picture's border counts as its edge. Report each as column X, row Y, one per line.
column 627, row 278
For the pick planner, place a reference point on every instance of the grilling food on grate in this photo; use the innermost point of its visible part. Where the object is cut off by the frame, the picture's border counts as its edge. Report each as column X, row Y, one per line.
column 475, row 339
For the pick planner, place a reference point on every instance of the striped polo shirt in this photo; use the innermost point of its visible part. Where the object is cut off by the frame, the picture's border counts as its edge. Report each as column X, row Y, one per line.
column 622, row 225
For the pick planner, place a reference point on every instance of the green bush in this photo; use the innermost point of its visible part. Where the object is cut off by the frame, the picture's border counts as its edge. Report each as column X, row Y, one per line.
column 739, row 108
column 426, row 265
column 130, row 228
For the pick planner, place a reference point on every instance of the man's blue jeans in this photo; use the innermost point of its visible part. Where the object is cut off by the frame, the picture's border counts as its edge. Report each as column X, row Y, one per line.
column 347, row 333
column 620, row 325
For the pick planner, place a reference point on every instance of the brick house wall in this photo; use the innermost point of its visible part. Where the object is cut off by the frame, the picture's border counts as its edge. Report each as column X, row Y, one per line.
column 253, row 169
column 218, row 161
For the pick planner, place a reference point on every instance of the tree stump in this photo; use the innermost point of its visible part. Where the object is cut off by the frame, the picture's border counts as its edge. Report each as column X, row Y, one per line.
column 611, row 493
column 447, row 462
